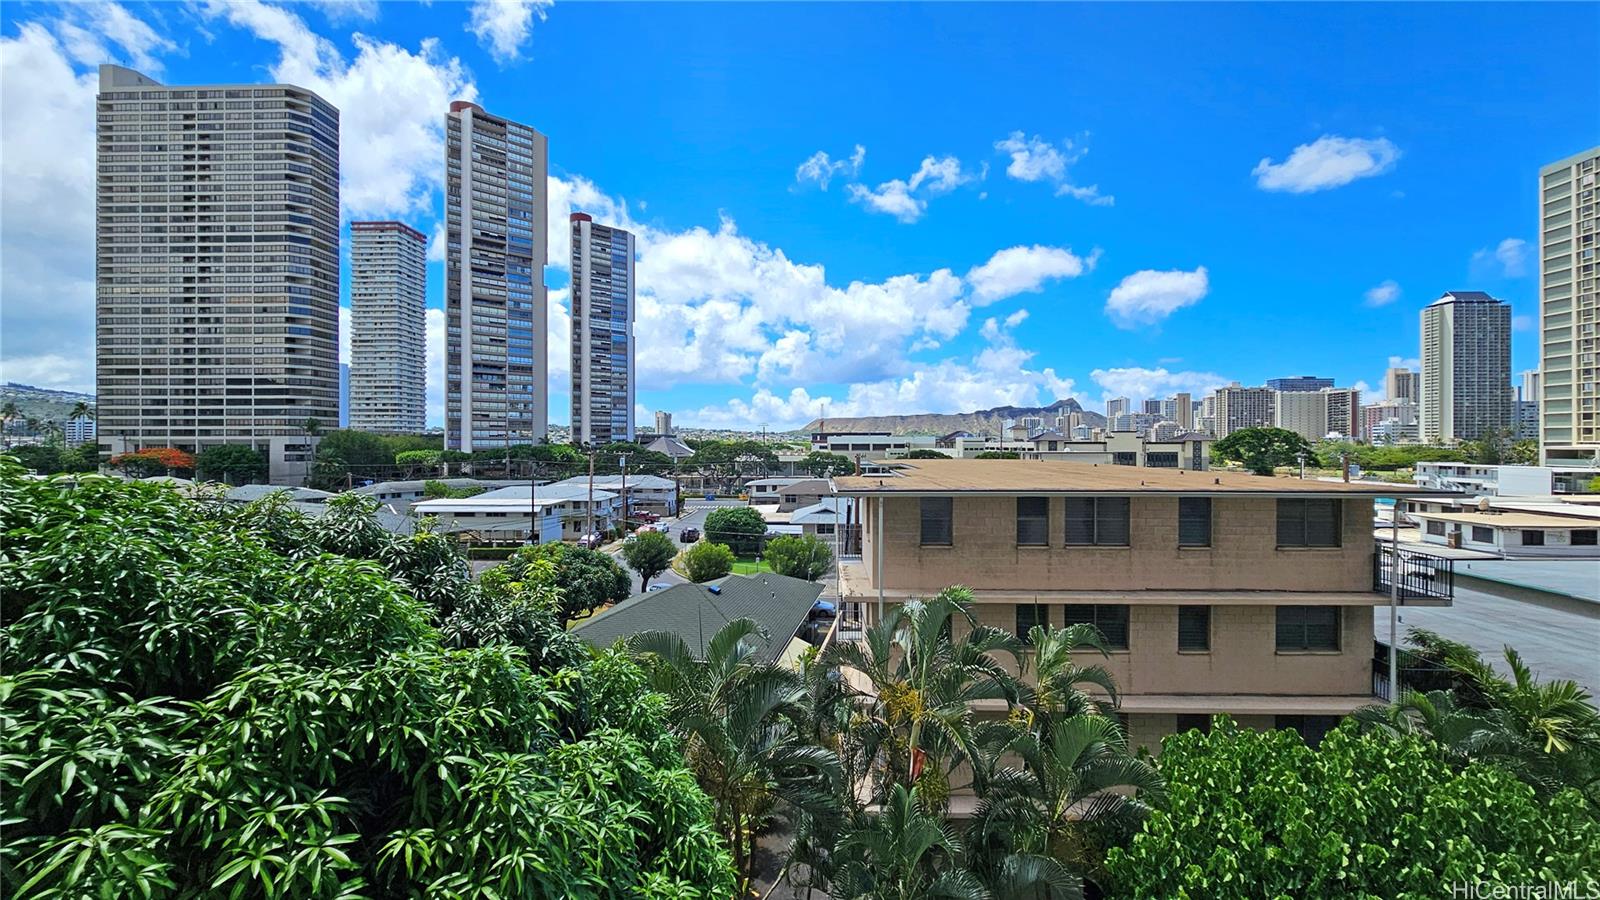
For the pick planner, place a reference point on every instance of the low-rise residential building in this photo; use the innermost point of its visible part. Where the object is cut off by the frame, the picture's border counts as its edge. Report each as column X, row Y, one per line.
column 1180, row 451
column 1533, row 530
column 563, row 511
column 401, row 494
column 873, row 444
column 1485, row 480
column 646, row 493
column 770, row 490
column 1217, row 592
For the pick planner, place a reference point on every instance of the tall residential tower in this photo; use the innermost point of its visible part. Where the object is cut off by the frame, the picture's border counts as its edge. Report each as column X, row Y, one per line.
column 1569, row 311
column 602, row 332
column 1466, row 367
column 495, row 302
column 388, row 340
column 216, row 282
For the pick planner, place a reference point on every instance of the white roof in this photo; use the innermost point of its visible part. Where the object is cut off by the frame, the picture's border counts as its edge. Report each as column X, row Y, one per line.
column 514, row 499
column 614, row 482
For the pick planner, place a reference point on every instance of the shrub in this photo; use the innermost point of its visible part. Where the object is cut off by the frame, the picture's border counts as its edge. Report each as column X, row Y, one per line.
column 704, row 561
column 799, row 556
column 233, row 463
column 740, row 527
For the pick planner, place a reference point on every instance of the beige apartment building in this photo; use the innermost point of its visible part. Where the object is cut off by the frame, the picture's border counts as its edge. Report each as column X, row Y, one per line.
column 1569, row 309
column 1219, row 592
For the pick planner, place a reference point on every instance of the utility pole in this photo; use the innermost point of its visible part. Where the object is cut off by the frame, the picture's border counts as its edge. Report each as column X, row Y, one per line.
column 588, row 527
column 533, row 495
column 1394, row 602
column 623, row 459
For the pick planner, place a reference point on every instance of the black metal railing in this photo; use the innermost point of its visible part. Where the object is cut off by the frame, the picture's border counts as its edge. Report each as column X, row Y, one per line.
column 1416, row 674
column 1423, row 576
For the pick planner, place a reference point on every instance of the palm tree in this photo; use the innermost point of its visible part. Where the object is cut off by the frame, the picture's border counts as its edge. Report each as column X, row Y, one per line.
column 1078, row 782
column 919, row 714
column 8, row 413
column 739, row 717
column 313, row 429
column 903, row 853
column 1061, row 682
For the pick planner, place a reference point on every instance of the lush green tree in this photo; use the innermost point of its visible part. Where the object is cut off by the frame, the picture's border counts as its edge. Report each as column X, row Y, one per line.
column 738, row 716
column 52, row 459
column 998, row 454
column 1383, row 458
column 204, row 699
column 740, row 527
column 1523, row 453
column 435, row 489
column 1061, row 687
column 799, row 556
column 925, row 453
column 727, row 461
column 1262, row 449
column 648, row 553
column 329, row 472
column 704, row 561
column 821, row 463
column 1593, row 486
column 904, row 853
column 366, row 454
column 419, row 459
column 233, row 463
column 584, row 579
column 1364, row 814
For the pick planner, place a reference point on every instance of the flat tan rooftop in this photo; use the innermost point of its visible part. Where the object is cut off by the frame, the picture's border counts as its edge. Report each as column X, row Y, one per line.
column 1512, row 519
column 1051, row 476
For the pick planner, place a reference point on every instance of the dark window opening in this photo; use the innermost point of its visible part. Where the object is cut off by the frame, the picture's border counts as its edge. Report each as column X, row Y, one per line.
column 1308, row 628
column 1097, row 521
column 1110, row 618
column 936, row 521
column 1308, row 522
column 1033, row 522
column 1194, row 521
column 1194, row 628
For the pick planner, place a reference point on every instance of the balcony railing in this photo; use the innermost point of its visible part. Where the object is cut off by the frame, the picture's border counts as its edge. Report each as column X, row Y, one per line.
column 1423, row 576
column 1416, row 674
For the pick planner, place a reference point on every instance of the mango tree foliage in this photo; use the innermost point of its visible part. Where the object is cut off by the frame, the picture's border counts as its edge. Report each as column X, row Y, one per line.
column 1260, row 814
column 205, row 699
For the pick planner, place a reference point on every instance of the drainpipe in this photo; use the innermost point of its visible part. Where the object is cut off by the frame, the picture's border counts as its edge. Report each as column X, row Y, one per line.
column 877, row 554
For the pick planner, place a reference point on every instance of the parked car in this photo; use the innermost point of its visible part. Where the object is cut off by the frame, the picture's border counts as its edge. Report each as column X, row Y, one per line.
column 689, row 535
column 590, row 541
column 646, row 516
column 658, row 586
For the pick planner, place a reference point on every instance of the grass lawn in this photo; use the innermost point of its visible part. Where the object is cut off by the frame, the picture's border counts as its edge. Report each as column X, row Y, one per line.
column 747, row 565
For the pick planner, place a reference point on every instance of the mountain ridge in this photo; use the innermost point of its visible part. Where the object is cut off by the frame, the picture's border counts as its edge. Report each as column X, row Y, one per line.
column 978, row 421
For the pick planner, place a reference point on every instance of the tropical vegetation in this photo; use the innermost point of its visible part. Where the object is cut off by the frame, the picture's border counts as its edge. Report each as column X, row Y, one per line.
column 740, row 527
column 648, row 553
column 231, row 463
column 704, row 561
column 1262, row 449
column 800, row 556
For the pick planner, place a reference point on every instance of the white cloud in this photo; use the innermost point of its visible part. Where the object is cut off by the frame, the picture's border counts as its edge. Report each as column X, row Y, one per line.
column 899, row 198
column 820, row 168
column 88, row 30
column 1522, row 323
column 1147, row 297
column 390, row 101
column 1159, row 383
column 1017, row 270
column 1328, row 162
column 1383, row 293
column 1507, row 259
column 503, row 26
column 46, row 211
column 1036, row 159
column 438, row 244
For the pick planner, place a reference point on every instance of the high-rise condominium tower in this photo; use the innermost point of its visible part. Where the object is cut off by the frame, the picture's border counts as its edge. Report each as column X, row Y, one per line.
column 1569, row 308
column 216, row 267
column 1236, row 407
column 602, row 332
column 388, row 340
column 1299, row 383
column 1400, row 383
column 495, row 301
column 1466, row 367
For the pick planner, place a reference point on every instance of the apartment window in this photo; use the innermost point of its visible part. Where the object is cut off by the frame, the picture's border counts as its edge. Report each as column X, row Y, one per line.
column 1482, row 535
column 1029, row 615
column 1194, row 521
column 1033, row 522
column 1097, row 521
column 1435, row 528
column 936, row 521
column 1302, row 628
column 1532, row 538
column 1110, row 618
column 1312, row 729
column 1194, row 722
column 1585, row 537
column 1312, row 522
column 1194, row 629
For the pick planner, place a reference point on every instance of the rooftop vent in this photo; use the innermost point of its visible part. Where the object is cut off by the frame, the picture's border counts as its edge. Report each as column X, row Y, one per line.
column 714, row 588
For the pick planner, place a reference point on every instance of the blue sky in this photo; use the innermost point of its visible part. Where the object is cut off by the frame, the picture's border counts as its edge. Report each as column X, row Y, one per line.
column 1048, row 200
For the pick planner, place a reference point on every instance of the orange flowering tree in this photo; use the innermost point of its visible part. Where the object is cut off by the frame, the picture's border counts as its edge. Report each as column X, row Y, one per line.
column 153, row 461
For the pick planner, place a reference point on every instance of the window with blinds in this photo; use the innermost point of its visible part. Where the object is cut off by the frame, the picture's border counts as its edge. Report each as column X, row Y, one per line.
column 1308, row 522
column 1194, row 521
column 1029, row 615
column 1110, row 618
column 1308, row 628
column 1194, row 628
column 1033, row 522
column 937, row 517
column 1097, row 522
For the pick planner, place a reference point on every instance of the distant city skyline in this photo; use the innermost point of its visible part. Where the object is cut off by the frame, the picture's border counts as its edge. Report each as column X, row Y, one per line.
column 857, row 247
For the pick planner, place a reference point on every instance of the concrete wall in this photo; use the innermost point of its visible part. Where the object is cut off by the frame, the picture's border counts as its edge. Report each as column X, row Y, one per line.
column 1243, row 555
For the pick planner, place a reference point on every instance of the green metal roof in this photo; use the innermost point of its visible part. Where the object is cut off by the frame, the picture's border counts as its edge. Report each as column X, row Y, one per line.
column 778, row 603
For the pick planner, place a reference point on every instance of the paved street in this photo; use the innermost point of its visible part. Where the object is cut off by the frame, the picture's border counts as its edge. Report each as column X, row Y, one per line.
column 694, row 516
